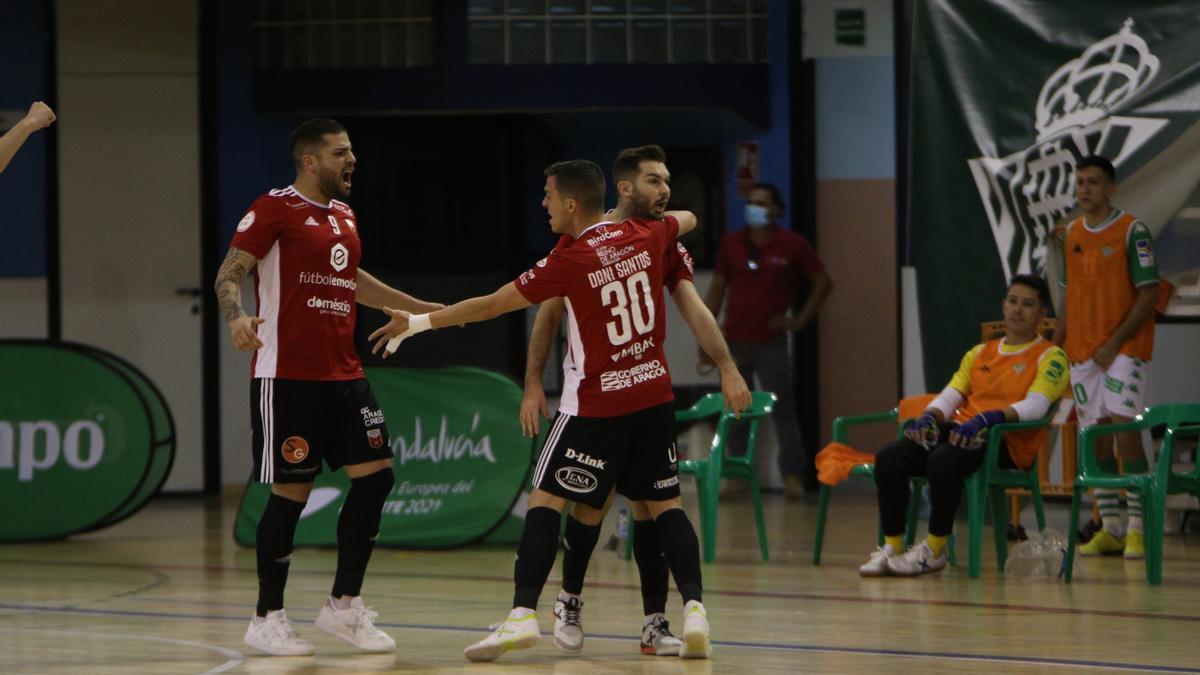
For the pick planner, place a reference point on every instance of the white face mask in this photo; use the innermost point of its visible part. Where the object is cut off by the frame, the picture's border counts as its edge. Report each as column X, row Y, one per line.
column 757, row 216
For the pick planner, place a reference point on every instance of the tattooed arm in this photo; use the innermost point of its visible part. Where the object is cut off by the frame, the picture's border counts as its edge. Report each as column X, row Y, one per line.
column 229, row 295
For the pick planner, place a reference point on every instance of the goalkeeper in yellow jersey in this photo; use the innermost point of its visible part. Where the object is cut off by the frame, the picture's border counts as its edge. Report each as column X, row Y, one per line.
column 1013, row 378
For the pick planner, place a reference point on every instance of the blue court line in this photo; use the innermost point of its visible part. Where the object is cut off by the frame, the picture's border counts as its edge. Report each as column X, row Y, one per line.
column 773, row 595
column 864, row 651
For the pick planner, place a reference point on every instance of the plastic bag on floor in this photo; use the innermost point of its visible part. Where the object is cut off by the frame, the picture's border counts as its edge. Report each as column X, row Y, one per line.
column 1040, row 557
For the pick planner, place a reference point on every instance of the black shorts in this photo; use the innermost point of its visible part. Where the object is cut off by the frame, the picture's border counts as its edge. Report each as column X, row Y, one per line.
column 584, row 458
column 297, row 423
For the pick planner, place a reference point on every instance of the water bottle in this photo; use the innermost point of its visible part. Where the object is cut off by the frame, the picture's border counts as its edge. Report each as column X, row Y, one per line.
column 622, row 530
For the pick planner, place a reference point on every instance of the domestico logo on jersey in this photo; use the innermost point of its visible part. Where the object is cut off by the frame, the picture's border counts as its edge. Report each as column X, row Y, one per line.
column 616, row 380
column 1028, row 192
column 338, row 307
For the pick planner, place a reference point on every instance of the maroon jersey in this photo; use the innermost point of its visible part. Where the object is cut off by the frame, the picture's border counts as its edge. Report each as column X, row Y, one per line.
column 680, row 267
column 763, row 280
column 612, row 277
column 305, row 283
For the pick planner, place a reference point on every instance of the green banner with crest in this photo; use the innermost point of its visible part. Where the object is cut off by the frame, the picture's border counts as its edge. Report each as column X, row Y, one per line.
column 1005, row 96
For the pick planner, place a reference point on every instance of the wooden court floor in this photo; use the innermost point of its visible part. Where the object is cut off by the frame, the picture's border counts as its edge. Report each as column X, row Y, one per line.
column 168, row 591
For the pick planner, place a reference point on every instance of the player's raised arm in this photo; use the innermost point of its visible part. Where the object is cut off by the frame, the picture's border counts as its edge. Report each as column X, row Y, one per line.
column 404, row 324
column 228, row 286
column 39, row 116
column 686, row 220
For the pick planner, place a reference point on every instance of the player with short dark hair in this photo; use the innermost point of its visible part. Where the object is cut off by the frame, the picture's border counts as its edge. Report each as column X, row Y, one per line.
column 643, row 189
column 1107, row 329
column 309, row 398
column 1016, row 377
column 615, row 426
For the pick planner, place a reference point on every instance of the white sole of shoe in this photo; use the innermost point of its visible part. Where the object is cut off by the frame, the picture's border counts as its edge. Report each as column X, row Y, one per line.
column 482, row 652
column 696, row 646
column 668, row 651
column 567, row 647
column 871, row 575
column 305, row 652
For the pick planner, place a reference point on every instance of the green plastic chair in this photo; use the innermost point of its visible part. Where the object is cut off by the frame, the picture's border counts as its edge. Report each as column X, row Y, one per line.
column 841, row 429
column 1153, row 487
column 988, row 485
column 719, row 464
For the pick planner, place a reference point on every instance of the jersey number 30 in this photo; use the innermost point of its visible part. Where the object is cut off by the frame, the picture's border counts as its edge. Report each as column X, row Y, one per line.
column 632, row 309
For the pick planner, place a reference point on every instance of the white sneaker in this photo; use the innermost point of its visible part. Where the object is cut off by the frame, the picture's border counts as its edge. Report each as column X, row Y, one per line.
column 877, row 565
column 275, row 635
column 696, row 644
column 657, row 638
column 915, row 561
column 568, row 631
column 355, row 625
column 519, row 631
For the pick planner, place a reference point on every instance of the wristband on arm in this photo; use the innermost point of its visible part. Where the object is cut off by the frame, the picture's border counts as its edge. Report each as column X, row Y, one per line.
column 417, row 323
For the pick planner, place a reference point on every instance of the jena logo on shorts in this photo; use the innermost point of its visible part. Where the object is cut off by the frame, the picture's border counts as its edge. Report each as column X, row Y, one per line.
column 294, row 449
column 575, row 480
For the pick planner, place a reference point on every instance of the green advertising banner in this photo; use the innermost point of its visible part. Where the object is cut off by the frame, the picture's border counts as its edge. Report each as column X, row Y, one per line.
column 461, row 462
column 1005, row 96
column 85, row 439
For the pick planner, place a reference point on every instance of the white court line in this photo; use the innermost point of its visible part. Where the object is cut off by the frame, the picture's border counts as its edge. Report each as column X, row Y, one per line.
column 234, row 658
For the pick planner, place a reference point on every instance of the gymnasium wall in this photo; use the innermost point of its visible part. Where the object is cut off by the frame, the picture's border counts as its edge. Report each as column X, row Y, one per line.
column 856, row 214
column 23, row 40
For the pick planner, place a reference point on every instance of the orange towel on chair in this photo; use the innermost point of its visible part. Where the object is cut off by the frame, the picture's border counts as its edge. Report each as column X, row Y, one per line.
column 835, row 461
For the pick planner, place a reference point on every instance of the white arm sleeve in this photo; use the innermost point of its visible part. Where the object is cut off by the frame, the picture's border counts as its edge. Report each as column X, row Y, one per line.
column 947, row 402
column 1032, row 407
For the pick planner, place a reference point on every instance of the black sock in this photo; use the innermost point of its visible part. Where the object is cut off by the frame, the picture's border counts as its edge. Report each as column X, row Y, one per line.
column 273, row 542
column 535, row 555
column 652, row 566
column 682, row 549
column 358, row 528
column 579, row 541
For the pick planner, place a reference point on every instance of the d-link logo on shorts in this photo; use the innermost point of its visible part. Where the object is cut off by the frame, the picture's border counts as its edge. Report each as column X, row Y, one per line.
column 584, row 458
column 575, row 480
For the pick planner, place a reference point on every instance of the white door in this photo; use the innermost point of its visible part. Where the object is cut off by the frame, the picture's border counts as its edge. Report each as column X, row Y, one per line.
column 129, row 195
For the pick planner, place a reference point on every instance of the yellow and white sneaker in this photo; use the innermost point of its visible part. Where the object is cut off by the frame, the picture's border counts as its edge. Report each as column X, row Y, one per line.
column 519, row 631
column 1135, row 545
column 1103, row 543
column 696, row 642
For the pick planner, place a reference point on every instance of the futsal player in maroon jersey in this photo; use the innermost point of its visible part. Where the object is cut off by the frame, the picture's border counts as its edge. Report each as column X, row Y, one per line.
column 309, row 398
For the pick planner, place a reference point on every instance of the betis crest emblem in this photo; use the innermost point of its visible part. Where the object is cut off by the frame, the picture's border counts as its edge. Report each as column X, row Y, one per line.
column 1027, row 193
